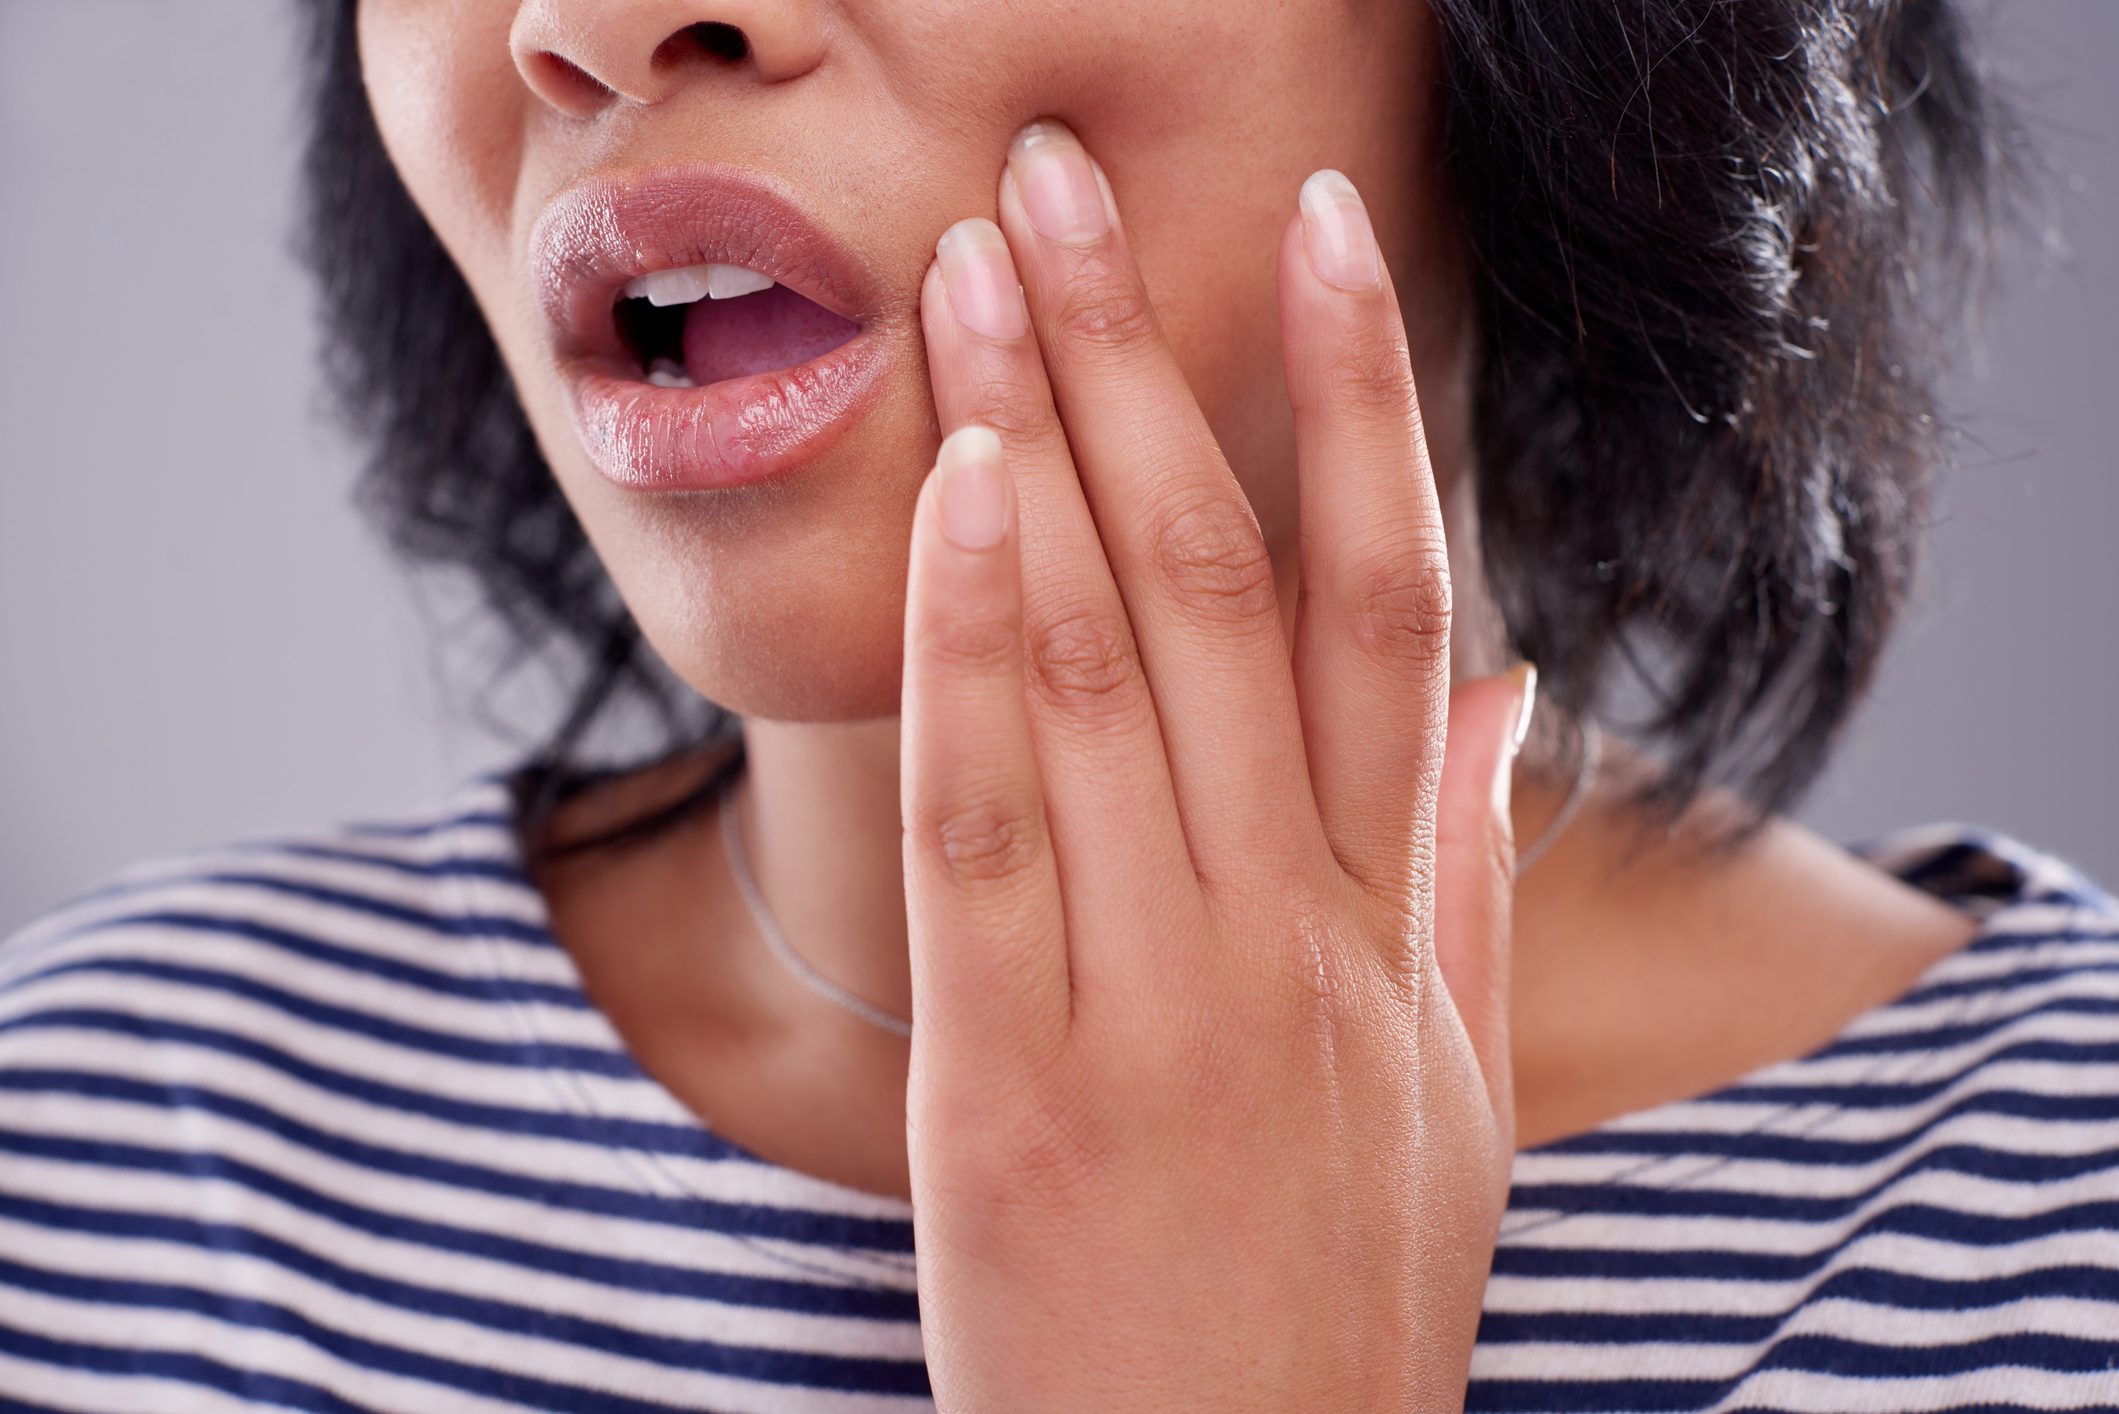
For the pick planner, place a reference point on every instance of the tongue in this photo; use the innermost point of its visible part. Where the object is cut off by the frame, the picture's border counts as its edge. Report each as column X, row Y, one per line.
column 774, row 328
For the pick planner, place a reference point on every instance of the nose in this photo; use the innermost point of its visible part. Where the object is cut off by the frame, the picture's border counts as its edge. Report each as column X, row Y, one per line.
column 582, row 56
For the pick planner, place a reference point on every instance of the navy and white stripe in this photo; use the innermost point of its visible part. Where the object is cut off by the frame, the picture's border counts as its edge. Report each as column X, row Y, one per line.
column 1921, row 1215
column 328, row 1122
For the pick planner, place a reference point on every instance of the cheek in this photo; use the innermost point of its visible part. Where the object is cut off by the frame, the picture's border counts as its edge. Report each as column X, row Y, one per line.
column 1217, row 300
column 1207, row 113
column 451, row 111
column 1207, row 129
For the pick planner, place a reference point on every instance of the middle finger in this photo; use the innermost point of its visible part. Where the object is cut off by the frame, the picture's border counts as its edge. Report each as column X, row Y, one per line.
column 1182, row 540
column 1112, row 811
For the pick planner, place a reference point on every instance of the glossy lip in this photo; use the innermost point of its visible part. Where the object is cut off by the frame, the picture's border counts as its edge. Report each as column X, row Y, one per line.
column 600, row 234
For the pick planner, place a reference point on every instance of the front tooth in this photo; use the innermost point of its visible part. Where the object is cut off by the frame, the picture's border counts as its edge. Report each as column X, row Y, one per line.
column 691, row 283
column 665, row 287
column 729, row 281
column 668, row 373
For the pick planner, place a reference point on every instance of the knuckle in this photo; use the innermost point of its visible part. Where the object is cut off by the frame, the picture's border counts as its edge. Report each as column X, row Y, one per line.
column 1086, row 661
column 1212, row 552
column 1401, row 608
column 1372, row 378
column 1025, row 1156
column 987, row 837
column 1409, row 962
column 1019, row 412
column 1045, row 1144
column 971, row 644
column 1104, row 314
column 1310, row 962
column 1405, row 957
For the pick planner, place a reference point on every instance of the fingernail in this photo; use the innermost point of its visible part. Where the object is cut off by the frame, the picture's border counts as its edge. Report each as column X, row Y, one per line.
column 1335, row 226
column 973, row 488
column 1060, row 192
column 979, row 277
column 1526, row 676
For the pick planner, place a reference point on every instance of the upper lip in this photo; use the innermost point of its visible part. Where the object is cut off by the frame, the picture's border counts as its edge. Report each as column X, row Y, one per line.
column 599, row 234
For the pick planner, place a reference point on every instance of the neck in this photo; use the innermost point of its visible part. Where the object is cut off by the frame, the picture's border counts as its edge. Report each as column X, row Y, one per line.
column 1638, row 980
column 818, row 807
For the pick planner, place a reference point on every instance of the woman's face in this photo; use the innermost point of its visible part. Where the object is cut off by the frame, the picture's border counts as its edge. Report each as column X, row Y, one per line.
column 881, row 122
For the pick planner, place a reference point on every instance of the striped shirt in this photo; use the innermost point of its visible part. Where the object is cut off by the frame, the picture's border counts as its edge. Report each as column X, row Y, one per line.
column 327, row 1122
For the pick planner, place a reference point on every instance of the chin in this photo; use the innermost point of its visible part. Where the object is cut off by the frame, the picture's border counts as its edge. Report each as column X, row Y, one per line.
column 843, row 676
column 782, row 599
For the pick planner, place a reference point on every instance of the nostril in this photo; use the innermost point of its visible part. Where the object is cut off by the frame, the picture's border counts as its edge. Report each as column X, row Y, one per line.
column 722, row 41
column 711, row 39
column 565, row 83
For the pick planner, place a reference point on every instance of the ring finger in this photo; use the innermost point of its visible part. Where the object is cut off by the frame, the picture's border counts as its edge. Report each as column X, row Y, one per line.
column 1109, row 801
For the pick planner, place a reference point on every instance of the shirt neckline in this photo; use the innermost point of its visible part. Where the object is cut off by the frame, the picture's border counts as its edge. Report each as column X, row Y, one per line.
column 501, row 886
column 1979, row 871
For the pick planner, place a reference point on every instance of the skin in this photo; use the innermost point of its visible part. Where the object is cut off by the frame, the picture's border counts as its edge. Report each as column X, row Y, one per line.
column 1216, row 630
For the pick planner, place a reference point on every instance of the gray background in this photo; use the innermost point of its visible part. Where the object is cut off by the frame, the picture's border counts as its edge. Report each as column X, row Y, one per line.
column 199, row 641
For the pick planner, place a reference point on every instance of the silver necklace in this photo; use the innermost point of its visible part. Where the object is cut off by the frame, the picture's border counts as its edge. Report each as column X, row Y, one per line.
column 1577, row 795
column 817, row 982
column 739, row 865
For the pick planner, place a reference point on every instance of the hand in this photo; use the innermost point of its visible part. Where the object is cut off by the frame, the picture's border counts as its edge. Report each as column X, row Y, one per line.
column 1209, row 1104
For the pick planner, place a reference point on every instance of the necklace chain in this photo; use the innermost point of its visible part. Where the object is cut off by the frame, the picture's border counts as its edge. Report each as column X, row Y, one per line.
column 739, row 865
column 1577, row 795
column 817, row 982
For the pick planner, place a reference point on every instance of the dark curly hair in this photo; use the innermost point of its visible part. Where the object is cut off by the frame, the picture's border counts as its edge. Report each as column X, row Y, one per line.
column 1718, row 248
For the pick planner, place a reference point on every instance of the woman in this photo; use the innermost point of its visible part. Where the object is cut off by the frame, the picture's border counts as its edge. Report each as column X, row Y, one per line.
column 1245, row 1073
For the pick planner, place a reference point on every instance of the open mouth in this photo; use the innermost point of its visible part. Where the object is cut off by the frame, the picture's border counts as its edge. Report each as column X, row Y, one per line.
column 697, row 325
column 711, row 332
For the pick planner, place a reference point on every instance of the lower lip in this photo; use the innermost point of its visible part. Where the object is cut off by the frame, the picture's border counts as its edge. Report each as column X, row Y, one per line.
column 731, row 433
